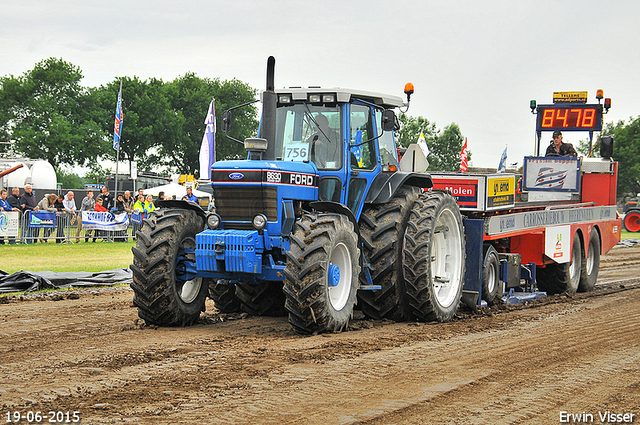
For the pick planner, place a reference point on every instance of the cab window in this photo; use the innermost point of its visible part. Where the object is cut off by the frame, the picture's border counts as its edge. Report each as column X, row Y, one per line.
column 363, row 149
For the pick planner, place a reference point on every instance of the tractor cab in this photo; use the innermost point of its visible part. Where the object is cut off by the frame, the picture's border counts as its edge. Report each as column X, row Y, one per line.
column 346, row 134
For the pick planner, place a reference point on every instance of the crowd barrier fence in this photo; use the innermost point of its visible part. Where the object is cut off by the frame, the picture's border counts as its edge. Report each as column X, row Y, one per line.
column 64, row 227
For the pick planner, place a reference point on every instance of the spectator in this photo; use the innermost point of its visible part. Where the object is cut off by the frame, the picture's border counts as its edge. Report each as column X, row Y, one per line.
column 60, row 222
column 212, row 205
column 118, row 205
column 128, row 202
column 46, row 204
column 148, row 204
column 87, row 204
column 70, row 211
column 141, row 193
column 14, row 201
column 28, row 203
column 99, row 208
column 99, row 205
column 158, row 199
column 107, row 199
column 190, row 196
column 118, row 209
column 4, row 206
column 138, row 206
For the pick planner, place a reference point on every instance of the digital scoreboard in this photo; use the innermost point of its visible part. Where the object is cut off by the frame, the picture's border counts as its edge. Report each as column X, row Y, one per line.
column 569, row 117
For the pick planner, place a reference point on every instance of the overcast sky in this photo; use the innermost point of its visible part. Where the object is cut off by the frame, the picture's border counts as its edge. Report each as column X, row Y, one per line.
column 477, row 63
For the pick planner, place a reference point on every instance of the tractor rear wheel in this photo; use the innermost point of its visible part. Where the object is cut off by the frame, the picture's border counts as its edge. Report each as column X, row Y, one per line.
column 164, row 295
column 223, row 294
column 557, row 278
column 434, row 257
column 321, row 277
column 261, row 299
column 383, row 228
column 590, row 264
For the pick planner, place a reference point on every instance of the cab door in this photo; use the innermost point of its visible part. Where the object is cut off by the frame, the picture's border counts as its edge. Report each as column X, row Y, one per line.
column 363, row 165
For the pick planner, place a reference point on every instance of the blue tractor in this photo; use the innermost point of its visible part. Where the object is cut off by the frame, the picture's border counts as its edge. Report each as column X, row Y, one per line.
column 317, row 221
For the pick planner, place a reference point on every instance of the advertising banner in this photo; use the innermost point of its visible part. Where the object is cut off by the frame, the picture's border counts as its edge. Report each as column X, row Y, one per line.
column 9, row 222
column 553, row 174
column 95, row 220
column 42, row 219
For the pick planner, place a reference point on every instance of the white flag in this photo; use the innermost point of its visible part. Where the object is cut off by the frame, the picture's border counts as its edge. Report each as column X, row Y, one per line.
column 423, row 145
column 207, row 148
column 502, row 167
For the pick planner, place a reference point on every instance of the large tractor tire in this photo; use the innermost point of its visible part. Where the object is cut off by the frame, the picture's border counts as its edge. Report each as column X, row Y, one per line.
column 590, row 264
column 557, row 278
column 434, row 257
column 631, row 221
column 223, row 294
column 490, row 275
column 383, row 228
column 321, row 277
column 261, row 299
column 164, row 243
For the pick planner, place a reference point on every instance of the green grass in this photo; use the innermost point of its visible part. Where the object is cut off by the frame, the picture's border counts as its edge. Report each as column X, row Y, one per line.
column 629, row 235
column 87, row 257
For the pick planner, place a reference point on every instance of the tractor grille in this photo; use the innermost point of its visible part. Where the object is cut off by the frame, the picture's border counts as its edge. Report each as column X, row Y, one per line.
column 243, row 203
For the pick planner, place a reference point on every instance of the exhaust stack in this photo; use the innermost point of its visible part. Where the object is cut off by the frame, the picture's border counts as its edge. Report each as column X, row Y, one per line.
column 269, row 104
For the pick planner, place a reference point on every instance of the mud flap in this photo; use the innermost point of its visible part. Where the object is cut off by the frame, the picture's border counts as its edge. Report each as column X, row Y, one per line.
column 472, row 289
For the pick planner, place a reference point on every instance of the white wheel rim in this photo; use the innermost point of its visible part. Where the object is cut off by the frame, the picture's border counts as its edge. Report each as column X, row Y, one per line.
column 190, row 290
column 339, row 294
column 575, row 265
column 446, row 258
column 590, row 259
column 491, row 284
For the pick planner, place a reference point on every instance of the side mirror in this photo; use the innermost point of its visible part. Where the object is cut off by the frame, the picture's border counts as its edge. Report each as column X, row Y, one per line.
column 606, row 147
column 388, row 120
column 226, row 121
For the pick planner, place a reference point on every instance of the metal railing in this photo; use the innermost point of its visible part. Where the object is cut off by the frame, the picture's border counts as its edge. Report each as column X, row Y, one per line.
column 65, row 228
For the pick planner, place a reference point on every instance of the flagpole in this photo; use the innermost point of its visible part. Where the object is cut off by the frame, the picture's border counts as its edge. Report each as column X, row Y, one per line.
column 115, row 196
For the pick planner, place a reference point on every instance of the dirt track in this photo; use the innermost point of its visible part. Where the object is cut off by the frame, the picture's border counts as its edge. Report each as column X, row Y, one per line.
column 86, row 351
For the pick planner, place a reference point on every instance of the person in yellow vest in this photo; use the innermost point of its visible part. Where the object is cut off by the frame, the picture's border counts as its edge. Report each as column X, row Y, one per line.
column 148, row 204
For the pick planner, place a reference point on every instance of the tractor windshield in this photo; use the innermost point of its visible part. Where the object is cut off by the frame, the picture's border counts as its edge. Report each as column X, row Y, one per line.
column 310, row 133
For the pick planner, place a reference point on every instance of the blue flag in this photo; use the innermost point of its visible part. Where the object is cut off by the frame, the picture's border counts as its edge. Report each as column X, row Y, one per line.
column 503, row 161
column 207, row 148
column 117, row 127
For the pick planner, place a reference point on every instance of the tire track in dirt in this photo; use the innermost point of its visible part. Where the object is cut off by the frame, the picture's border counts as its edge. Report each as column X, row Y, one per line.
column 501, row 366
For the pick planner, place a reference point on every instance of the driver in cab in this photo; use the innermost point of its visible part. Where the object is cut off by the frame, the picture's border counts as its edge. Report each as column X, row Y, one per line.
column 557, row 148
column 324, row 144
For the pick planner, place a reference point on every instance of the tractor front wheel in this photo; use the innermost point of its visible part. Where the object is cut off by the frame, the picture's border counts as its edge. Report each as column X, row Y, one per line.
column 165, row 245
column 321, row 277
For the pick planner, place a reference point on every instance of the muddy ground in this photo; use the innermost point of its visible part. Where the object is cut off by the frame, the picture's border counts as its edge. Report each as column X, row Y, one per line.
column 87, row 352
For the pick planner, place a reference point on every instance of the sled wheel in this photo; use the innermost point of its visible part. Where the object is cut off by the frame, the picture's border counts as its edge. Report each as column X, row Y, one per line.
column 590, row 264
column 490, row 275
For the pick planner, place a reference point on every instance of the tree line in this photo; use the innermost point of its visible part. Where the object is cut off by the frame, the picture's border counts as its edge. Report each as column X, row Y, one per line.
column 47, row 113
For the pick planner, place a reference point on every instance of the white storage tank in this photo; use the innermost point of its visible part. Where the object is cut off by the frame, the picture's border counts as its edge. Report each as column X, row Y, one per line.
column 43, row 176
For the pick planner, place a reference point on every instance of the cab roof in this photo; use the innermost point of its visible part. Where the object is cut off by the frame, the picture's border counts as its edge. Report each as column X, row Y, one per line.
column 343, row 95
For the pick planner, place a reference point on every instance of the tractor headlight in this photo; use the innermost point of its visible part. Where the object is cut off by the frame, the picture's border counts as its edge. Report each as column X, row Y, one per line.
column 213, row 221
column 259, row 221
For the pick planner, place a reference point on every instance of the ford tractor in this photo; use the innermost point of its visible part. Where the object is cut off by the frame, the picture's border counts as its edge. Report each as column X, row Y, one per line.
column 316, row 221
